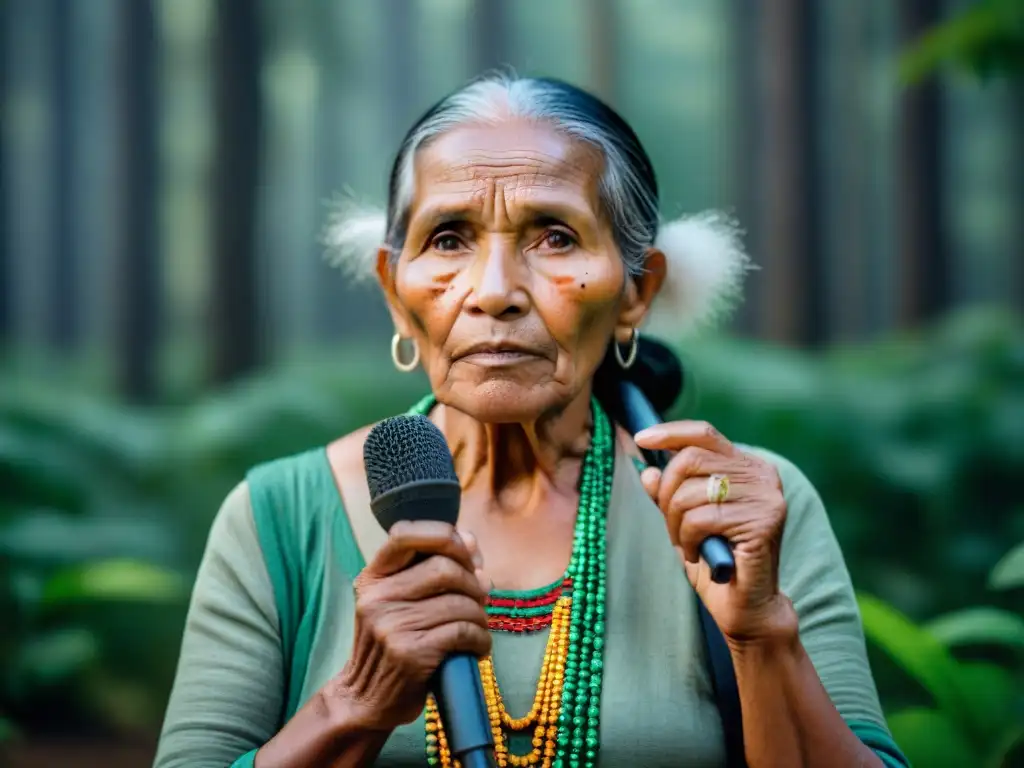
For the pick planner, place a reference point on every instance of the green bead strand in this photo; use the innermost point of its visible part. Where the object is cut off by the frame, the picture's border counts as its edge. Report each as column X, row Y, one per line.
column 578, row 739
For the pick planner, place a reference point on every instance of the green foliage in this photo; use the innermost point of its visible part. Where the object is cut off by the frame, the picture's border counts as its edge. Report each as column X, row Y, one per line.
column 1009, row 572
column 977, row 717
column 105, row 509
column 987, row 38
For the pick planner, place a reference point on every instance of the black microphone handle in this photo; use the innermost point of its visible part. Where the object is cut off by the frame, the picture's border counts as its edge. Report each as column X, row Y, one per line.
column 640, row 414
column 467, row 728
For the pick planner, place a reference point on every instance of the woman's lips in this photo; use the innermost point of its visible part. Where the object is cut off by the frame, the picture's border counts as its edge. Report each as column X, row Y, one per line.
column 496, row 358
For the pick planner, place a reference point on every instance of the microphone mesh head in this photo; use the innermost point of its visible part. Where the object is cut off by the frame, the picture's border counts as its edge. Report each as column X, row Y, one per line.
column 405, row 449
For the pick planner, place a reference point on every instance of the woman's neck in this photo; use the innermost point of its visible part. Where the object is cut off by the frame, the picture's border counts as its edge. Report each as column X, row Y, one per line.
column 512, row 461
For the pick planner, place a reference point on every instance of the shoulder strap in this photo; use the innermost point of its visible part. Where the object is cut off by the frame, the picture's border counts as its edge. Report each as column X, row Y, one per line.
column 727, row 693
column 723, row 679
column 295, row 506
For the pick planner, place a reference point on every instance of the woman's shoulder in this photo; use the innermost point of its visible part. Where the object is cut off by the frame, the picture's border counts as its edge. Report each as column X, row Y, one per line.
column 345, row 454
column 315, row 469
column 790, row 474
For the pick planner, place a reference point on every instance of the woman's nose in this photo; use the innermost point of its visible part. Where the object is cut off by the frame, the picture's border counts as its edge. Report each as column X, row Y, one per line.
column 497, row 275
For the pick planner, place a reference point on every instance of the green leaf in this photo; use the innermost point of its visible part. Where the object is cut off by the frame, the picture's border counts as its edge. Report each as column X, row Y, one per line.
column 115, row 580
column 51, row 538
column 992, row 691
column 987, row 37
column 918, row 653
column 52, row 658
column 930, row 739
column 978, row 626
column 8, row 731
column 1009, row 571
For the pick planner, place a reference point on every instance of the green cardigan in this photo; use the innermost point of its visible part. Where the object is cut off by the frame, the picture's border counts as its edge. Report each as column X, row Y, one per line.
column 271, row 620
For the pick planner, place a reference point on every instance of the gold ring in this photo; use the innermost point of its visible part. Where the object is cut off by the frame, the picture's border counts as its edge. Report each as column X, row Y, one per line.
column 718, row 488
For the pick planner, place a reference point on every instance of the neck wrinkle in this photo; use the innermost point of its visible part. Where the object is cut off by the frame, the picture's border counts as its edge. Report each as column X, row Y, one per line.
column 503, row 458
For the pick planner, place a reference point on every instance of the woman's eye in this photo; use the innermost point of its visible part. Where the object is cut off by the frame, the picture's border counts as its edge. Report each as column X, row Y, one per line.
column 446, row 241
column 557, row 240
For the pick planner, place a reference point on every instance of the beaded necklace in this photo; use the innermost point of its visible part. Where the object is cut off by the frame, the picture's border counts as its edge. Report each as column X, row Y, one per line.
column 565, row 716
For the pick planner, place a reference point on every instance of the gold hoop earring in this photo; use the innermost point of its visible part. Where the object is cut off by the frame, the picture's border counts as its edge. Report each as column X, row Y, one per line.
column 396, row 356
column 634, row 348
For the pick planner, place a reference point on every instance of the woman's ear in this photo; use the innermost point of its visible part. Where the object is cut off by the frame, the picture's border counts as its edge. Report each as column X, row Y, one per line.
column 641, row 290
column 385, row 272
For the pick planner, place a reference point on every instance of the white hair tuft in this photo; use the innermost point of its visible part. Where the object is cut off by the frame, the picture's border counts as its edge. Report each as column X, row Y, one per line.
column 354, row 234
column 704, row 274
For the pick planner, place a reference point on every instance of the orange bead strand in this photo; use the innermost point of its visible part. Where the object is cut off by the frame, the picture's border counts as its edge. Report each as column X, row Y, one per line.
column 542, row 718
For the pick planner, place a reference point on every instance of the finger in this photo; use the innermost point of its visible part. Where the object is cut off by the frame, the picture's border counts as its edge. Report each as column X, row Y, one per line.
column 437, row 575
column 478, row 559
column 459, row 637
column 693, row 492
column 422, row 615
column 693, row 461
column 474, row 548
column 725, row 520
column 410, row 539
column 676, row 435
column 650, row 478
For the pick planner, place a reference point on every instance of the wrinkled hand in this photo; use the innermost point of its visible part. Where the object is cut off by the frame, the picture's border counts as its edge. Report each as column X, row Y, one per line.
column 410, row 614
column 750, row 607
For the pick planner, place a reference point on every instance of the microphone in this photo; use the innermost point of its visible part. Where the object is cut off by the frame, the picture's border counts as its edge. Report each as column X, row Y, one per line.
column 411, row 476
column 639, row 414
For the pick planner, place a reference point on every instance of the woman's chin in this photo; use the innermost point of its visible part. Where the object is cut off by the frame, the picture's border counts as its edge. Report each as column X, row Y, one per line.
column 504, row 401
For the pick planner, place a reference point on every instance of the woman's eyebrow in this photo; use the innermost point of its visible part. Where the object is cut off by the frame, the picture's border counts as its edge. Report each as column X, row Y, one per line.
column 431, row 217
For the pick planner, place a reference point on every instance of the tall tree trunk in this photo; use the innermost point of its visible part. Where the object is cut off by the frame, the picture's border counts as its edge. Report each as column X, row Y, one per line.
column 399, row 67
column 603, row 49
column 336, row 307
column 924, row 270
column 139, row 296
column 63, row 299
column 849, row 153
column 237, row 46
column 6, row 278
column 489, row 31
column 746, row 183
column 792, row 307
column 1017, row 236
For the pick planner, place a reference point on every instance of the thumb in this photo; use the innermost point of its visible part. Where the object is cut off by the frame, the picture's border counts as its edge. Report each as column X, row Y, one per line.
column 650, row 478
column 478, row 559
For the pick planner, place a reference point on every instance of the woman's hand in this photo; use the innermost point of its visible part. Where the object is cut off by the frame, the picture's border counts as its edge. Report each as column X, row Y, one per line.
column 750, row 608
column 410, row 614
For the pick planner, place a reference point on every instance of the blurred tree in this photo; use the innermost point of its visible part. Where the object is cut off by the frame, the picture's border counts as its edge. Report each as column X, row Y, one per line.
column 986, row 38
column 1017, row 262
column 6, row 279
column 489, row 31
column 138, row 247
column 788, row 215
column 236, row 338
column 743, row 18
column 399, row 65
column 846, row 154
column 924, row 274
column 602, row 29
column 64, row 267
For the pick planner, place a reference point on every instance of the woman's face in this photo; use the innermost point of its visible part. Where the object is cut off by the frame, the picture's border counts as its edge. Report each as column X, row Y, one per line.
column 510, row 281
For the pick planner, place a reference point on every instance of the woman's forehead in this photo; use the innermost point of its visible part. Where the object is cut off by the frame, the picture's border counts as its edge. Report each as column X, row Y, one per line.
column 530, row 160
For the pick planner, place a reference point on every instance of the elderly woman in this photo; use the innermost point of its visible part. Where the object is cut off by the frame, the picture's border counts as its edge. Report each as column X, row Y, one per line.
column 520, row 254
